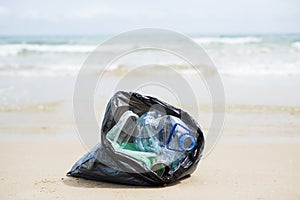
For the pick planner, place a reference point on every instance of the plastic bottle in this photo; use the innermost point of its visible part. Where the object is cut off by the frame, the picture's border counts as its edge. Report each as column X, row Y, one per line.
column 167, row 136
column 158, row 140
column 120, row 135
column 180, row 138
column 156, row 131
column 148, row 128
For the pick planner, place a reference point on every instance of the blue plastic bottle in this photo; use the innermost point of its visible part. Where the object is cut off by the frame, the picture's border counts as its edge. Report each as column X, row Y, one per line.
column 167, row 136
column 180, row 137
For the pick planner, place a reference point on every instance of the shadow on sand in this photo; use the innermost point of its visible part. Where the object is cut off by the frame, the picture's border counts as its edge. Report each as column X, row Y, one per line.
column 80, row 182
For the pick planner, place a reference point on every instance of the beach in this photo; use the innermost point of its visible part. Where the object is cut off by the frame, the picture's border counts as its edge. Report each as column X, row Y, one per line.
column 235, row 170
column 257, row 162
column 257, row 156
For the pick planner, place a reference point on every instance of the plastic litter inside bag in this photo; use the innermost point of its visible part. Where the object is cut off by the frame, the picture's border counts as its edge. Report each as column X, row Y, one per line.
column 157, row 141
column 142, row 146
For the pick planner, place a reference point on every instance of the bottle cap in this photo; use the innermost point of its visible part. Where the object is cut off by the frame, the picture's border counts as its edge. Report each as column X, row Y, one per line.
column 186, row 142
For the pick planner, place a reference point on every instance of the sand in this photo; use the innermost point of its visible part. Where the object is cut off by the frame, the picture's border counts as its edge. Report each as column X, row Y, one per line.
column 257, row 157
column 235, row 170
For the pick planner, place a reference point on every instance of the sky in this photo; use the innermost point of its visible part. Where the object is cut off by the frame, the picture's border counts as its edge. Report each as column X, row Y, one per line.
column 77, row 17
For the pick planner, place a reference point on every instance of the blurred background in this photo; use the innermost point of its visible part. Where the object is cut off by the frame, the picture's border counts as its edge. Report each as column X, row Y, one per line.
column 254, row 44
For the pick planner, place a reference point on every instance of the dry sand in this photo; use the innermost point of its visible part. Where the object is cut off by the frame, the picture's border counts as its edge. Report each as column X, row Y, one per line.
column 257, row 158
column 235, row 170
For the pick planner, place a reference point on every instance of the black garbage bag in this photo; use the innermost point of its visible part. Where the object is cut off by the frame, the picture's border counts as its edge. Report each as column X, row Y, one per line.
column 104, row 163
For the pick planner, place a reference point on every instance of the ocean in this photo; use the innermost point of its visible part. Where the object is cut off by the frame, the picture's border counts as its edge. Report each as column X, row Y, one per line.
column 260, row 74
column 238, row 55
column 255, row 69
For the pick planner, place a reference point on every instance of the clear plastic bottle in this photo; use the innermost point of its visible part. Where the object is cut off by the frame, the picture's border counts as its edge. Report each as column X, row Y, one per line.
column 179, row 136
column 156, row 131
column 148, row 128
column 167, row 136
column 159, row 140
column 120, row 135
